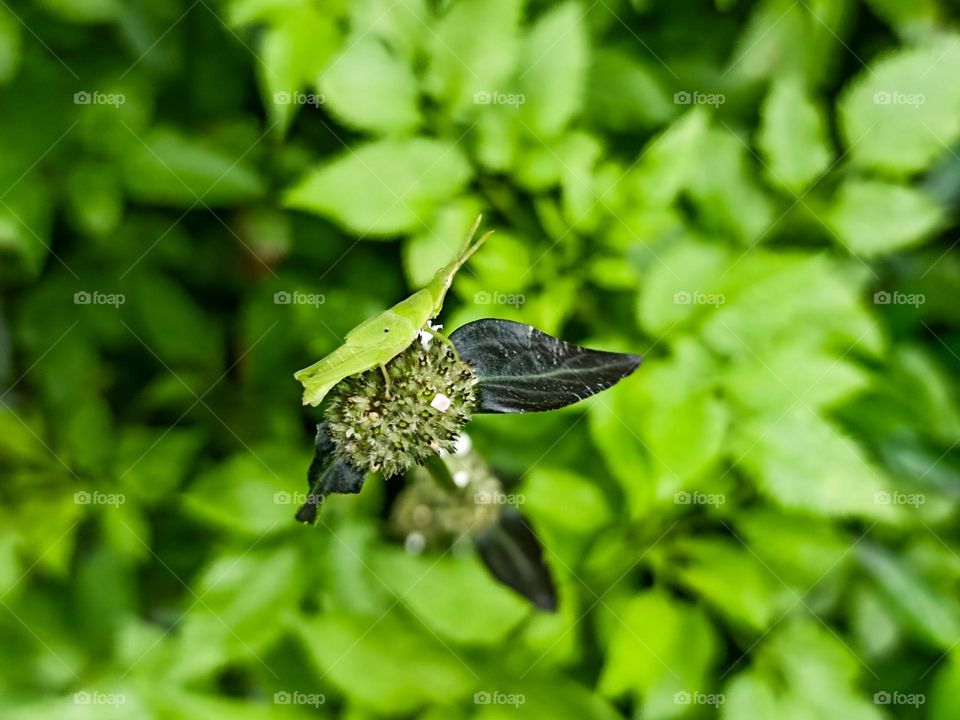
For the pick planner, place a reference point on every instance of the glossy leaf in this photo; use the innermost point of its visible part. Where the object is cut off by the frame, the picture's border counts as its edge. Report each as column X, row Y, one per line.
column 524, row 370
column 513, row 554
column 327, row 475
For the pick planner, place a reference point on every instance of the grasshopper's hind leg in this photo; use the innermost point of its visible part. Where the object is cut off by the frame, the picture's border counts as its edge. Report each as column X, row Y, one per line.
column 386, row 378
column 442, row 338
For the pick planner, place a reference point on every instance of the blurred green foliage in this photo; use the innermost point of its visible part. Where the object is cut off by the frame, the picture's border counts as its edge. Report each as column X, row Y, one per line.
column 759, row 196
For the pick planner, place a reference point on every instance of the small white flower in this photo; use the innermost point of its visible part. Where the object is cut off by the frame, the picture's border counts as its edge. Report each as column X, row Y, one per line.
column 440, row 402
column 464, row 444
column 414, row 543
column 425, row 337
column 461, row 478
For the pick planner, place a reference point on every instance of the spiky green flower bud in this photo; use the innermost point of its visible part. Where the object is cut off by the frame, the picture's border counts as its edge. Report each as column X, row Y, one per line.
column 430, row 398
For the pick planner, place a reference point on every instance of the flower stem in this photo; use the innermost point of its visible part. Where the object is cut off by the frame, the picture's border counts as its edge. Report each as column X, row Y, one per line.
column 440, row 472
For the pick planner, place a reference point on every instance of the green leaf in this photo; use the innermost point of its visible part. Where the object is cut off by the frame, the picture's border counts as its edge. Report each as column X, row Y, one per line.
column 934, row 617
column 793, row 136
column 11, row 45
column 473, row 51
column 454, row 596
column 875, row 627
column 95, row 200
column 778, row 376
column 800, row 549
column 659, row 647
column 25, row 225
column 175, row 703
column 565, row 500
column 944, row 700
column 925, row 390
column 247, row 12
column 496, row 139
column 903, row 112
column 726, row 190
column 553, row 62
column 733, row 580
column 681, row 421
column 871, row 217
column 668, row 161
column 624, row 94
column 384, row 187
column 556, row 698
column 295, row 47
column 401, row 25
column 240, row 594
column 170, row 168
column 86, row 435
column 914, row 20
column 801, row 296
column 683, row 282
column 371, row 88
column 85, row 11
column 623, row 451
column 749, row 696
column 772, row 42
column 385, row 663
column 253, row 493
column 152, row 466
column 578, row 154
column 172, row 324
column 802, row 462
column 801, row 671
column 20, row 441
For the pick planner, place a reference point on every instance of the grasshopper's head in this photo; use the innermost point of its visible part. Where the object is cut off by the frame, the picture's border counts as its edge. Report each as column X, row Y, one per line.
column 444, row 278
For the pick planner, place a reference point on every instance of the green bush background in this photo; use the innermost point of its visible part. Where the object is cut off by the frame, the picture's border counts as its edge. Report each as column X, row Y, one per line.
column 757, row 196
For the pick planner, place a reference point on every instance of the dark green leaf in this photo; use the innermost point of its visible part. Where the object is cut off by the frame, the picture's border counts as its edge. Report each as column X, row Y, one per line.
column 513, row 553
column 524, row 370
column 327, row 474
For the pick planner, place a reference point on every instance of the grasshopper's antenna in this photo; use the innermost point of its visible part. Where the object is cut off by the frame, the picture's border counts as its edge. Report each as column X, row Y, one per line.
column 468, row 249
column 476, row 246
column 463, row 254
column 444, row 277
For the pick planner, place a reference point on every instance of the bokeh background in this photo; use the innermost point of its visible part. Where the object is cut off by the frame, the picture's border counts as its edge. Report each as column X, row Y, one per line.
column 198, row 198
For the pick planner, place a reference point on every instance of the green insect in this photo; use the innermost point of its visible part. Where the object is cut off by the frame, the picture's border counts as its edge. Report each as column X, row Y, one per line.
column 380, row 339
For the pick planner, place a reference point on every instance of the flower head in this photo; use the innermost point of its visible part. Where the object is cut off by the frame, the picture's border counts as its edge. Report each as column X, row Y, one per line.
column 430, row 397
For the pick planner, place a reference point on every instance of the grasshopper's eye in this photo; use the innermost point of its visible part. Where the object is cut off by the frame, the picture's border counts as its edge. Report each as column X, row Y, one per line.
column 386, row 329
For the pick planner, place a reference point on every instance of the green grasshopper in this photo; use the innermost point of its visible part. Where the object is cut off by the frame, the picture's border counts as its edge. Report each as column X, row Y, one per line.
column 381, row 338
